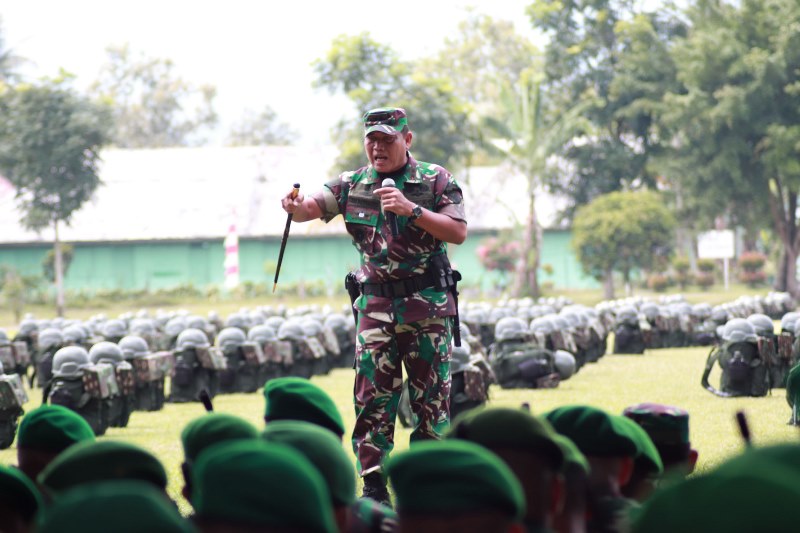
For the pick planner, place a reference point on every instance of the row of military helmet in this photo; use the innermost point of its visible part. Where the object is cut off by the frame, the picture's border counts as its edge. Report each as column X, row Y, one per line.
column 108, row 368
column 753, row 355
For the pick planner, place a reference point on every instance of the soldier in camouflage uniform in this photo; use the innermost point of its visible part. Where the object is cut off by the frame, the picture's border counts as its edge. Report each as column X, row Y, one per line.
column 407, row 290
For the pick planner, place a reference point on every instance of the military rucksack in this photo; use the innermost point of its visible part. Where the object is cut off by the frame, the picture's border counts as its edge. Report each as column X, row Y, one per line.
column 744, row 371
column 523, row 364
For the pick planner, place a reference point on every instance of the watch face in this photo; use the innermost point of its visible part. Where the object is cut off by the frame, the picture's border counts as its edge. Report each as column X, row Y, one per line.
column 416, row 211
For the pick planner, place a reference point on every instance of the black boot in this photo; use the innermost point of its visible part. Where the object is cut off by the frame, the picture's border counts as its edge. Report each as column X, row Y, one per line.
column 375, row 489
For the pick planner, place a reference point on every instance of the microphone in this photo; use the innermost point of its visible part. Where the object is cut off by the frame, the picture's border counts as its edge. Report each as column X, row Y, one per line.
column 391, row 218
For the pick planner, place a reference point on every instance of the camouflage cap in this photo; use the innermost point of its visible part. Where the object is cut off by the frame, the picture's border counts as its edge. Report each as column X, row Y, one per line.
column 751, row 492
column 648, row 458
column 388, row 120
column 507, row 428
column 90, row 462
column 323, row 450
column 53, row 428
column 665, row 424
column 212, row 428
column 454, row 476
column 594, row 431
column 261, row 484
column 119, row 506
column 293, row 398
column 19, row 493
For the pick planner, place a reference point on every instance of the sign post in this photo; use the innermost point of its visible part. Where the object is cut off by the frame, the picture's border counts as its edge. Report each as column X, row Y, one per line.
column 717, row 244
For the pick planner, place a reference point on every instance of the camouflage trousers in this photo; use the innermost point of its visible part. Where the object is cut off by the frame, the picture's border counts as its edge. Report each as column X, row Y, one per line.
column 424, row 348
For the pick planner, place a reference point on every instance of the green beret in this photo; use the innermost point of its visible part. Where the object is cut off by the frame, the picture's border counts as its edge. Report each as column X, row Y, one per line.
column 260, row 484
column 323, row 450
column 793, row 386
column 507, row 428
column 454, row 476
column 293, row 398
column 594, row 431
column 743, row 496
column 212, row 428
column 572, row 455
column 52, row 428
column 19, row 492
column 647, row 458
column 665, row 424
column 104, row 460
column 118, row 506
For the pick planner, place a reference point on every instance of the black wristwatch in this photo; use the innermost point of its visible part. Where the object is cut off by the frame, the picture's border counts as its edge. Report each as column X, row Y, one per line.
column 416, row 212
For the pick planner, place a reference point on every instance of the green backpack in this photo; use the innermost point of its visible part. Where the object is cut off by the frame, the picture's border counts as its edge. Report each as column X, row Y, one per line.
column 744, row 372
column 519, row 364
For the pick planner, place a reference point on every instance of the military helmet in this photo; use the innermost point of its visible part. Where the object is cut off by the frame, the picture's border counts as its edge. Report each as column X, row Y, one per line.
column 106, row 351
column 261, row 334
column 236, row 320
column 291, row 330
column 311, row 327
column 650, row 310
column 788, row 321
column 191, row 338
column 627, row 315
column 114, row 328
column 231, row 337
column 336, row 321
column 543, row 325
column 464, row 331
column 142, row 326
column 4, row 337
column 69, row 362
column 719, row 315
column 175, row 326
column 571, row 318
column 27, row 327
column 701, row 310
column 560, row 323
column 739, row 330
column 74, row 335
column 762, row 324
column 195, row 321
column 133, row 346
column 565, row 363
column 275, row 322
column 49, row 338
column 460, row 358
column 510, row 327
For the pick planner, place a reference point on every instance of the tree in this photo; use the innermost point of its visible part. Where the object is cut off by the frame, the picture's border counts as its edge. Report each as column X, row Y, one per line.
column 262, row 129
column 371, row 75
column 614, row 58
column 737, row 123
column 623, row 232
column 152, row 106
column 50, row 139
column 9, row 61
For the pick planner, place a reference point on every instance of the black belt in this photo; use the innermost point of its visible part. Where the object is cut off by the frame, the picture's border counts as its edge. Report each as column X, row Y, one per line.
column 400, row 288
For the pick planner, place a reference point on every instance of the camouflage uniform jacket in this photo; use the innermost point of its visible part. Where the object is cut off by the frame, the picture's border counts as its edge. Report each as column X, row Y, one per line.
column 384, row 258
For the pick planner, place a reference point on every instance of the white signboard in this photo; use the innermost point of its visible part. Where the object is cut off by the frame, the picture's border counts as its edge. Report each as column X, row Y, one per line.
column 717, row 244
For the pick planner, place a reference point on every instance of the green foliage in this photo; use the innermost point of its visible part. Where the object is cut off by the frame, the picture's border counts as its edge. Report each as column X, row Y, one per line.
column 681, row 266
column 16, row 290
column 658, row 282
column 498, row 253
column 704, row 279
column 623, row 232
column 48, row 263
column 706, row 265
column 152, row 106
column 261, row 129
column 371, row 75
column 752, row 268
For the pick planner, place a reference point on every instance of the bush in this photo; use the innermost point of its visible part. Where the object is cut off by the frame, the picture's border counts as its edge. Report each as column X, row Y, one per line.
column 681, row 266
column 753, row 279
column 658, row 282
column 752, row 261
column 706, row 265
column 704, row 280
column 498, row 254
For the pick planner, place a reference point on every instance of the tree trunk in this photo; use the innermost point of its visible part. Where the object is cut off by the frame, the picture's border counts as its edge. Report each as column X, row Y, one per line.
column 526, row 282
column 608, row 285
column 783, row 207
column 58, row 266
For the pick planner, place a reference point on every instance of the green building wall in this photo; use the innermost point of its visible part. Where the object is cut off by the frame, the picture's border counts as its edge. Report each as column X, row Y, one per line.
column 154, row 265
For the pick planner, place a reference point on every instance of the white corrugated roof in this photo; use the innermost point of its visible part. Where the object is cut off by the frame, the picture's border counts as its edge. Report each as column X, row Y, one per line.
column 189, row 193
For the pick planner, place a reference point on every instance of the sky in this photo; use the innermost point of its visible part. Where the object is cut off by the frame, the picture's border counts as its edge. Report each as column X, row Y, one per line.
column 255, row 52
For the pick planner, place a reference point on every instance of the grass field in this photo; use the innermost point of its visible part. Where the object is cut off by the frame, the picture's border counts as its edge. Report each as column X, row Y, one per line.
column 670, row 376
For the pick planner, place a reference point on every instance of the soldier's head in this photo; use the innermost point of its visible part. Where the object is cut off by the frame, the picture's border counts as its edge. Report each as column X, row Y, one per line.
column 236, row 320
column 44, row 433
column 788, row 321
column 113, row 330
column 206, row 431
column 565, row 362
column 291, row 398
column 455, row 485
column 739, row 330
column 668, row 428
column 230, row 338
column 300, row 501
column 325, row 452
column 50, row 339
column 510, row 328
column 763, row 324
column 387, row 138
column 291, row 330
column 527, row 445
column 20, row 503
column 261, row 334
